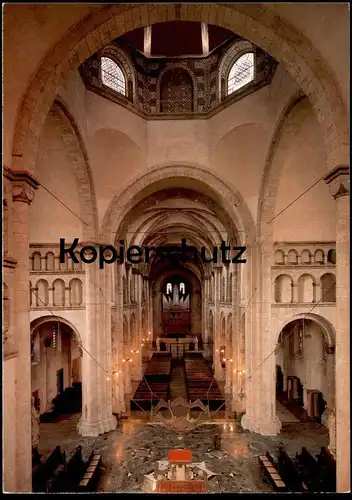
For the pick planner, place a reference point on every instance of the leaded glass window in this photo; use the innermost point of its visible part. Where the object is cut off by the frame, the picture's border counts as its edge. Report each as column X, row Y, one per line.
column 112, row 75
column 241, row 73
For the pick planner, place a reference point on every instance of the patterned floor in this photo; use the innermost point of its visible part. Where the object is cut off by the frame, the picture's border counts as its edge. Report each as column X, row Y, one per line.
column 131, row 451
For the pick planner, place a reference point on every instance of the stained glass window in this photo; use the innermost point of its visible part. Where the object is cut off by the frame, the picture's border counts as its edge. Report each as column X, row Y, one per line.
column 241, row 73
column 112, row 75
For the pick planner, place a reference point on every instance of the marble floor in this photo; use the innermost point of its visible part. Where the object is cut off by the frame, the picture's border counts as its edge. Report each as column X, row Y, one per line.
column 132, row 450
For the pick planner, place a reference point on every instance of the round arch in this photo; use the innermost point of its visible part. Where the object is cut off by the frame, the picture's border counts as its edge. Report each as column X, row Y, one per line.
column 46, row 319
column 75, row 148
column 231, row 200
column 325, row 325
column 254, row 22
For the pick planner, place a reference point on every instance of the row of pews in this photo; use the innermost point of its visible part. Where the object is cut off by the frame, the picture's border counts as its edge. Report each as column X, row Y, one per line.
column 54, row 475
column 201, row 383
column 155, row 384
column 302, row 474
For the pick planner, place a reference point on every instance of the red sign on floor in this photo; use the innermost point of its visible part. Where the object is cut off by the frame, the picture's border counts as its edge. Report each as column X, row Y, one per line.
column 180, row 486
column 180, row 456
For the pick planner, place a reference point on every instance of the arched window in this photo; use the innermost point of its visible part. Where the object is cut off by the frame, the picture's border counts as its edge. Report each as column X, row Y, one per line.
column 182, row 288
column 112, row 75
column 168, row 288
column 241, row 73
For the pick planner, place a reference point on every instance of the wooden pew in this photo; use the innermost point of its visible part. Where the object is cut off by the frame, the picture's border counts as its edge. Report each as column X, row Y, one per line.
column 91, row 477
column 327, row 463
column 309, row 470
column 289, row 473
column 270, row 473
column 57, row 480
column 42, row 473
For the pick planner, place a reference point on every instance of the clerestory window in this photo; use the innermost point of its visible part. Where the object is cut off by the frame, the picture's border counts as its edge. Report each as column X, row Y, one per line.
column 112, row 75
column 241, row 73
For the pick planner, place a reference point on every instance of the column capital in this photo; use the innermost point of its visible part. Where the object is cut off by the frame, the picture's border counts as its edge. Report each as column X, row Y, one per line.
column 23, row 185
column 339, row 181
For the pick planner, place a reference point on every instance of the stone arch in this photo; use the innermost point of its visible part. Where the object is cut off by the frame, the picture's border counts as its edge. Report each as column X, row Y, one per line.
column 272, row 170
column 171, row 67
column 264, row 29
column 45, row 319
column 326, row 327
column 231, row 201
column 76, row 150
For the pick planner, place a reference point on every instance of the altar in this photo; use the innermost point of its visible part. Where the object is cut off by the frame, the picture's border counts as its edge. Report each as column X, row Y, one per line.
column 178, row 347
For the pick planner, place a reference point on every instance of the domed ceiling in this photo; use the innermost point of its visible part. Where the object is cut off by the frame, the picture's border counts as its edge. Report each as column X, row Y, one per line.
column 177, row 69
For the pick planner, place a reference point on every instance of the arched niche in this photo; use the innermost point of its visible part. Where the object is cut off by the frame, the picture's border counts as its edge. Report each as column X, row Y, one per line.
column 283, row 289
column 306, row 288
column 328, row 287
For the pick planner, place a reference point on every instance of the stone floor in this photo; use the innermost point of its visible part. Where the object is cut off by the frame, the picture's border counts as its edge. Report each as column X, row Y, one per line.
column 132, row 450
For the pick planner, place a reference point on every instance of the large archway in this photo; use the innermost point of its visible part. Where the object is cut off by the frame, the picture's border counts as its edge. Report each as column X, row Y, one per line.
column 305, row 370
column 56, row 378
column 167, row 208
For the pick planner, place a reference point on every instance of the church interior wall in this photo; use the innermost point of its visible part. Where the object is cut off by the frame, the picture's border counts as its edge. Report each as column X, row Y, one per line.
column 56, row 171
column 300, row 150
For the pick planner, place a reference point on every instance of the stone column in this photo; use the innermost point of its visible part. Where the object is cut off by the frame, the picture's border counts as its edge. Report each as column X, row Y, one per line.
column 338, row 180
column 23, row 188
column 217, row 326
column 95, row 362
